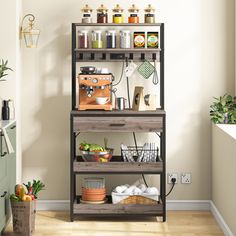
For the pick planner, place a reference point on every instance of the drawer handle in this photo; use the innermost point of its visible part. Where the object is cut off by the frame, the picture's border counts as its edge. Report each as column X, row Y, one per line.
column 4, row 194
column 13, row 127
column 3, row 154
column 117, row 125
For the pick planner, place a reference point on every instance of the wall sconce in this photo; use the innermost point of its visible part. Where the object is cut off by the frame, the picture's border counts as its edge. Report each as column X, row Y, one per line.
column 31, row 35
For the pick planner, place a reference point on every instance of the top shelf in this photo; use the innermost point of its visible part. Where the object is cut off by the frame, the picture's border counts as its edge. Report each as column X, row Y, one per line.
column 115, row 24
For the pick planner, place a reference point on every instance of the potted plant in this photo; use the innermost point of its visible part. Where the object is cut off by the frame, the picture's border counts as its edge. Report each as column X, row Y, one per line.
column 3, row 69
column 223, row 110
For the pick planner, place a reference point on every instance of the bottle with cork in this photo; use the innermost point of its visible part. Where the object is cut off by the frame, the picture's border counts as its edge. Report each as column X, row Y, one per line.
column 149, row 17
column 133, row 18
column 102, row 16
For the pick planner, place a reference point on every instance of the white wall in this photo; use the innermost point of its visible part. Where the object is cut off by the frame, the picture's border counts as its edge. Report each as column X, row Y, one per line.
column 10, row 50
column 199, row 64
column 223, row 172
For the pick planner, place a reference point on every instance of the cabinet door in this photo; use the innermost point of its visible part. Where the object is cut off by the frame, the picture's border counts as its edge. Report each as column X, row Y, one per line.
column 3, row 159
column 3, row 196
column 11, row 159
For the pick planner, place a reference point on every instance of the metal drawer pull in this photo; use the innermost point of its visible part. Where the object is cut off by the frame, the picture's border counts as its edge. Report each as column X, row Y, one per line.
column 13, row 127
column 3, row 154
column 4, row 194
column 117, row 125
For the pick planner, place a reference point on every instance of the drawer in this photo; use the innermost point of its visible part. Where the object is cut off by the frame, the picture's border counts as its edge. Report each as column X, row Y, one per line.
column 118, row 124
column 3, row 204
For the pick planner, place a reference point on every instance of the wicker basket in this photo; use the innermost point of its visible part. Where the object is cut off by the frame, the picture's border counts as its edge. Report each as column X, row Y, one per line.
column 121, row 198
column 138, row 200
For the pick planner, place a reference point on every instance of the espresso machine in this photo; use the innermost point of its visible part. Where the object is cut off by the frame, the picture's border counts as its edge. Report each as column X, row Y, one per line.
column 95, row 89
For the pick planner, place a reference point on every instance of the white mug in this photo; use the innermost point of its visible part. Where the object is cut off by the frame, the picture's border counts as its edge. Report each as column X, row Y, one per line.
column 102, row 100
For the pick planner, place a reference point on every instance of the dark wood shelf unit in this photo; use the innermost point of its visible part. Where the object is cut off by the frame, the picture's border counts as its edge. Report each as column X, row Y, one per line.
column 126, row 121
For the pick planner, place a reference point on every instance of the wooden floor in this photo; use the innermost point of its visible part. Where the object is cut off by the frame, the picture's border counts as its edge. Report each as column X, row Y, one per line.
column 179, row 223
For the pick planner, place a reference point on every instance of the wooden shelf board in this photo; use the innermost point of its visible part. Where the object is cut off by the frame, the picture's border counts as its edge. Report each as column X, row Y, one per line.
column 117, row 209
column 117, row 25
column 117, row 50
column 158, row 112
column 117, row 167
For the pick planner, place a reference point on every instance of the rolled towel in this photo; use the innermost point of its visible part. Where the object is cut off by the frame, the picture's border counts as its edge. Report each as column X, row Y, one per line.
column 142, row 187
column 130, row 190
column 137, row 191
column 152, row 190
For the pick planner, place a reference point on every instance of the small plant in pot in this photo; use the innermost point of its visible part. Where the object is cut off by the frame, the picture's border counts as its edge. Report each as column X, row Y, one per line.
column 223, row 110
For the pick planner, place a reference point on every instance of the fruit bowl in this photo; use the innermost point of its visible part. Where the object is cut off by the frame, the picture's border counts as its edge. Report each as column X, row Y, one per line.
column 97, row 156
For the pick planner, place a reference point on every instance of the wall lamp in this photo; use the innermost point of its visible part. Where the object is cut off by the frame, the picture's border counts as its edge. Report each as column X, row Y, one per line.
column 30, row 33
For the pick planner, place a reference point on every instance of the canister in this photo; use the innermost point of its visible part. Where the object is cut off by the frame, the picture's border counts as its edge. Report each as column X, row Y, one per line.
column 111, row 38
column 102, row 16
column 133, row 18
column 125, row 39
column 149, row 16
column 97, row 39
column 83, row 39
column 87, row 14
column 118, row 16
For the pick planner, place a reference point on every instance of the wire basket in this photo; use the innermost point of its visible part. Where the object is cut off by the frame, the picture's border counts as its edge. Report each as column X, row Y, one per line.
column 139, row 154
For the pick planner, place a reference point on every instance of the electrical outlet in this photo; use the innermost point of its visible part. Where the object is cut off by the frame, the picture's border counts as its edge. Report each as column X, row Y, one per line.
column 170, row 176
column 186, row 178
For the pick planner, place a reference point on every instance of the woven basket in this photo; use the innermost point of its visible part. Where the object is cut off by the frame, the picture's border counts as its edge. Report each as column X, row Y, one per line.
column 138, row 200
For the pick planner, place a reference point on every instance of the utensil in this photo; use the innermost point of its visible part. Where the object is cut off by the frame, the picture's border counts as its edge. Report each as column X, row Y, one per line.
column 120, row 103
column 155, row 79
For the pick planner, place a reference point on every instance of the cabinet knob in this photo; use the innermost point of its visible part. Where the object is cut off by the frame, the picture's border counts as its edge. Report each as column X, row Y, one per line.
column 3, row 154
column 13, row 127
column 4, row 194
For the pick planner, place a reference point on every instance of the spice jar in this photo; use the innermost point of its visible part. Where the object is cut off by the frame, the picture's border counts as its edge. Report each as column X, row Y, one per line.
column 111, row 38
column 118, row 16
column 149, row 14
column 87, row 14
column 133, row 18
column 125, row 39
column 83, row 39
column 102, row 16
column 97, row 39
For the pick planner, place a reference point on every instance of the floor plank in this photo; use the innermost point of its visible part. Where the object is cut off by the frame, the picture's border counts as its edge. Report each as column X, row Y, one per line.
column 179, row 223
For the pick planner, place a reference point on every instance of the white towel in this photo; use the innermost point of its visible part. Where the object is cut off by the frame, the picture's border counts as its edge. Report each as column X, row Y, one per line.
column 8, row 142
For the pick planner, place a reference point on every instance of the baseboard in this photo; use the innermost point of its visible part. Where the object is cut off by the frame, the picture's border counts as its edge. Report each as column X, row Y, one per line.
column 220, row 220
column 53, row 205
column 176, row 205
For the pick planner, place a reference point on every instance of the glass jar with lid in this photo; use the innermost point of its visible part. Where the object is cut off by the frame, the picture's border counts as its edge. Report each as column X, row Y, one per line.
column 111, row 38
column 87, row 11
column 125, row 39
column 102, row 16
column 149, row 16
column 118, row 16
column 97, row 39
column 83, row 39
column 133, row 18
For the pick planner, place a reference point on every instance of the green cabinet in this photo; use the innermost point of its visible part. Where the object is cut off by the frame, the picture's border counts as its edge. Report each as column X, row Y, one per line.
column 7, row 173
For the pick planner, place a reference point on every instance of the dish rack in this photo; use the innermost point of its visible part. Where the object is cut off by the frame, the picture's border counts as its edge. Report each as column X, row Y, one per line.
column 146, row 153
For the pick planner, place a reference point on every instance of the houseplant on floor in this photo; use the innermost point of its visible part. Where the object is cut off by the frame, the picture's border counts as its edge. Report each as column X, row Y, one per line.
column 223, row 110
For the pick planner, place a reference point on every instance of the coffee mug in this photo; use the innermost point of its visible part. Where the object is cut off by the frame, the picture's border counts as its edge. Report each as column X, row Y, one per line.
column 102, row 100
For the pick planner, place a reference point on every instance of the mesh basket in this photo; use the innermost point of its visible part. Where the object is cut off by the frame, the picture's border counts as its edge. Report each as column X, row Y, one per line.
column 140, row 154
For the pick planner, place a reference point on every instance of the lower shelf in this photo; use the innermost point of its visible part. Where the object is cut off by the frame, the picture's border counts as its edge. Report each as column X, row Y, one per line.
column 116, row 209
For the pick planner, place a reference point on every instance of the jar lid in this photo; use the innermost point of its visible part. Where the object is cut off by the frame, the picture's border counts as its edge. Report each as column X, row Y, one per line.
column 111, row 31
column 87, row 8
column 83, row 31
column 125, row 31
column 102, row 9
column 117, row 8
column 149, row 9
column 97, row 31
column 133, row 9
